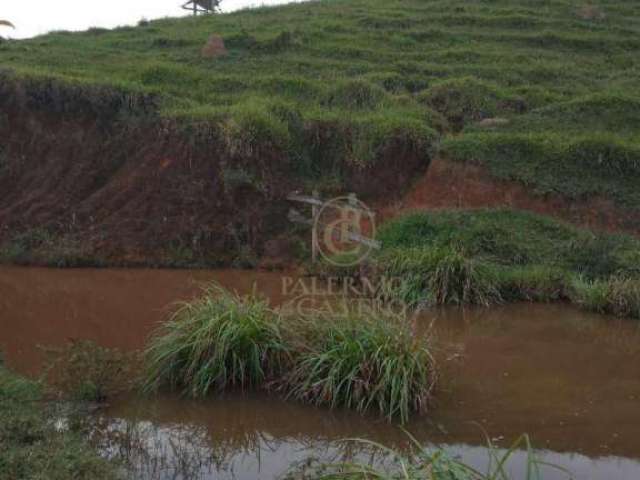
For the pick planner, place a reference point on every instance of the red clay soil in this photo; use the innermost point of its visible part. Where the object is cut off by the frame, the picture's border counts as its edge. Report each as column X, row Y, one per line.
column 147, row 194
column 449, row 184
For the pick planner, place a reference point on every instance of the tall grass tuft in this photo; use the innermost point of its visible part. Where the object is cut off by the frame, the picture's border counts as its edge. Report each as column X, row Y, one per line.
column 217, row 341
column 366, row 363
column 442, row 276
column 618, row 295
column 540, row 283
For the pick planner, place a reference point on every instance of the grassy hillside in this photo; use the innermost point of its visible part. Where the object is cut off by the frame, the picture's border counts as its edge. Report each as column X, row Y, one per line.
column 361, row 73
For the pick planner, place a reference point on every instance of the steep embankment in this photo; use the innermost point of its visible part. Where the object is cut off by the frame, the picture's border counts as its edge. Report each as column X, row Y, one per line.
column 458, row 185
column 131, row 146
column 82, row 187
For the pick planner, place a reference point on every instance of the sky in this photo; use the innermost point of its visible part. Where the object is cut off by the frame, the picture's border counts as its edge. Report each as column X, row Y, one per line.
column 36, row 17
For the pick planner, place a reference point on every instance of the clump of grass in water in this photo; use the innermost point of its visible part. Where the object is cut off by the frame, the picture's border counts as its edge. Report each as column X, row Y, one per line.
column 364, row 363
column 217, row 341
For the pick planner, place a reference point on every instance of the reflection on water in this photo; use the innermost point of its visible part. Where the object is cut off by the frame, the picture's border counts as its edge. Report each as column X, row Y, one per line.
column 211, row 440
column 569, row 379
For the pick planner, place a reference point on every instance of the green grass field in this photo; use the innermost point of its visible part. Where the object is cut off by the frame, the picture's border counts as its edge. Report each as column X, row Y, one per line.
column 363, row 73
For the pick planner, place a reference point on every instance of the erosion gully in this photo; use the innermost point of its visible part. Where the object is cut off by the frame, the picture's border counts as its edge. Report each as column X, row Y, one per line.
column 569, row 379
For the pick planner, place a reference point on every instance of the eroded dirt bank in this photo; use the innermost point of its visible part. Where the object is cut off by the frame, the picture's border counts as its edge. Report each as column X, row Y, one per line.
column 111, row 183
column 98, row 178
column 448, row 184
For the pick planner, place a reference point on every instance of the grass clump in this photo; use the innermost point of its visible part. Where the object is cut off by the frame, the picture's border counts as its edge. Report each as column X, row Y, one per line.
column 366, row 363
column 32, row 446
column 217, row 341
column 616, row 295
column 439, row 276
column 539, row 283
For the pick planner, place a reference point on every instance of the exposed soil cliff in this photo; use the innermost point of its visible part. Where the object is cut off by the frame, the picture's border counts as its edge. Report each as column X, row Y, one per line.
column 449, row 184
column 81, row 187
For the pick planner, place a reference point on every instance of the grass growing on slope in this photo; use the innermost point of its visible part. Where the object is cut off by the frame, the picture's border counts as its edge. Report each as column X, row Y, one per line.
column 32, row 446
column 220, row 340
column 579, row 147
column 366, row 363
column 336, row 79
column 489, row 256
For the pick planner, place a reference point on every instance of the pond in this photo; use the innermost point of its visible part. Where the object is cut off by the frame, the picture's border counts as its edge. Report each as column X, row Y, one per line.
column 569, row 379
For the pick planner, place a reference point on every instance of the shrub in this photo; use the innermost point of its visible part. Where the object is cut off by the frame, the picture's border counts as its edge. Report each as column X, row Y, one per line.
column 372, row 362
column 217, row 341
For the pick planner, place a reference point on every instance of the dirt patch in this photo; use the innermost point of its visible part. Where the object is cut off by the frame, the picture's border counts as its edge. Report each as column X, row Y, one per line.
column 214, row 47
column 449, row 184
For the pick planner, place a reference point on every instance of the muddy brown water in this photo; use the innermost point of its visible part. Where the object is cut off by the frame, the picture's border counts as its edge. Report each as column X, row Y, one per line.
column 569, row 379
